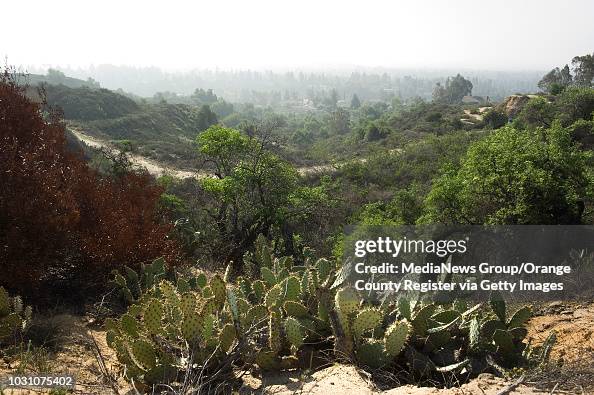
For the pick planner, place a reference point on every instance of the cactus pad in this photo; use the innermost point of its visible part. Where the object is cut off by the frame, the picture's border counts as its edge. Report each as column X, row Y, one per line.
column 295, row 309
column 420, row 322
column 201, row 280
column 292, row 288
column 218, row 287
column 143, row 354
column 520, row 317
column 267, row 360
column 273, row 296
column 259, row 289
column 347, row 301
column 504, row 342
column 396, row 337
column 274, row 332
column 268, row 276
column 208, row 307
column 372, row 354
column 323, row 268
column 226, row 337
column 188, row 303
column 256, row 314
column 367, row 319
column 191, row 327
column 294, row 331
column 152, row 316
column 129, row 325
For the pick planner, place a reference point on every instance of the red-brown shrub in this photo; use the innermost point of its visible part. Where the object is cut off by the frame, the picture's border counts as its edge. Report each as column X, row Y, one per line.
column 63, row 227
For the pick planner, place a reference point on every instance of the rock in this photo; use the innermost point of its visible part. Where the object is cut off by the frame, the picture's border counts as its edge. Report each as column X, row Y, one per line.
column 512, row 105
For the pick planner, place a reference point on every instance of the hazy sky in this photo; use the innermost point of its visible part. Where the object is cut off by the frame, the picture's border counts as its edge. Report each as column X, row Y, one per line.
column 239, row 34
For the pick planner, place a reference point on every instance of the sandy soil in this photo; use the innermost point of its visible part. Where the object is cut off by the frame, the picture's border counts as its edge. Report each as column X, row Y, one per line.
column 87, row 357
column 341, row 379
column 574, row 326
column 479, row 116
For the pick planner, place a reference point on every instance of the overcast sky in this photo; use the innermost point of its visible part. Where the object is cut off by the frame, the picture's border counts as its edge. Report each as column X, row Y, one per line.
column 273, row 34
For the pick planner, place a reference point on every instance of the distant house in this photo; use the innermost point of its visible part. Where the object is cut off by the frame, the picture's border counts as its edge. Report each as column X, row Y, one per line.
column 473, row 100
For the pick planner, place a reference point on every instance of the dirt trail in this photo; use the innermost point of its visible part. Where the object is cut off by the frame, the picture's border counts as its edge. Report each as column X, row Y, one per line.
column 153, row 167
column 84, row 356
column 158, row 169
column 479, row 116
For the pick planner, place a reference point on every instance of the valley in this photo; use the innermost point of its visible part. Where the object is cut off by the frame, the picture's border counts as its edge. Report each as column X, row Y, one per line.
column 237, row 198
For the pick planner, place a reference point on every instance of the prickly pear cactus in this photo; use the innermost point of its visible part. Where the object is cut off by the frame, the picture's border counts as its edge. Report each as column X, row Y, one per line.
column 367, row 319
column 396, row 337
column 133, row 285
column 14, row 318
column 503, row 336
column 294, row 331
column 285, row 309
column 168, row 334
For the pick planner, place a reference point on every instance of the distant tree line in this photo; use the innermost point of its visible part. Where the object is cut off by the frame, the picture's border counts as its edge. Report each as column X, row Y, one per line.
column 581, row 74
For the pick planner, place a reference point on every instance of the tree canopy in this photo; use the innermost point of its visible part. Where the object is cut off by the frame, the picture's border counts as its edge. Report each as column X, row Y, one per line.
column 254, row 189
column 556, row 80
column 454, row 90
column 514, row 177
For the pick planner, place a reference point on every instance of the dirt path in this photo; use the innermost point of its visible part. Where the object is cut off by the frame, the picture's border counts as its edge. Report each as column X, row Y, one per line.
column 158, row 169
column 84, row 355
column 153, row 167
column 479, row 116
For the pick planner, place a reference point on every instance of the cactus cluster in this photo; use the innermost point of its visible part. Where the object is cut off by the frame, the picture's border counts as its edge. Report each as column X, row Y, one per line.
column 196, row 323
column 132, row 285
column 431, row 339
column 14, row 317
column 503, row 334
column 285, row 295
column 175, row 327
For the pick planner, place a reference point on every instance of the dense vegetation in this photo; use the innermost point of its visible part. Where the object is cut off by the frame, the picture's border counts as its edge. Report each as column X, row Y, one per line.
column 267, row 220
column 291, row 314
column 383, row 161
column 388, row 162
column 86, row 104
column 63, row 227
